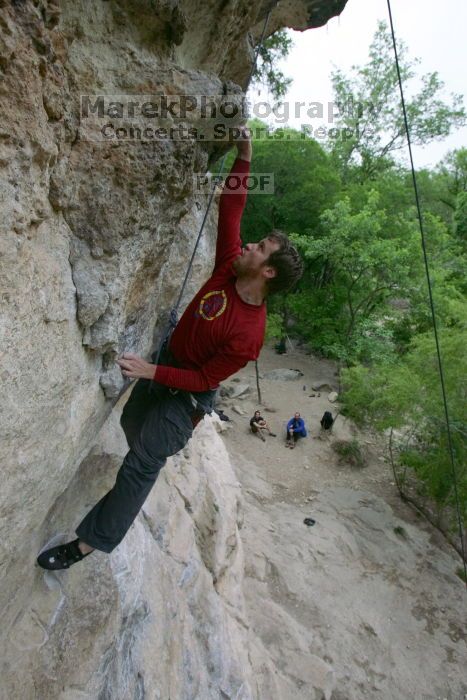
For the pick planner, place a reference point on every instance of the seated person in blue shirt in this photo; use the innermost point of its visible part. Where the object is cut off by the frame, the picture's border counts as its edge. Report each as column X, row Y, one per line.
column 295, row 430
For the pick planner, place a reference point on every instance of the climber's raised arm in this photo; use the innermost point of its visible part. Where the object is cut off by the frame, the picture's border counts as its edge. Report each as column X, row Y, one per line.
column 243, row 144
column 232, row 203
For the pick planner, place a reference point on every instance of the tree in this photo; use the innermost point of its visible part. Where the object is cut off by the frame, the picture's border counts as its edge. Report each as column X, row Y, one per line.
column 454, row 170
column 273, row 50
column 460, row 217
column 305, row 182
column 406, row 397
column 370, row 115
column 356, row 266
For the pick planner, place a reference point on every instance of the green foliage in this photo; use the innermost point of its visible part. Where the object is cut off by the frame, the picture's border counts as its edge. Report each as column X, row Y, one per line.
column 305, row 183
column 371, row 114
column 453, row 169
column 274, row 326
column 460, row 217
column 406, row 395
column 273, row 50
column 357, row 265
column 349, row 452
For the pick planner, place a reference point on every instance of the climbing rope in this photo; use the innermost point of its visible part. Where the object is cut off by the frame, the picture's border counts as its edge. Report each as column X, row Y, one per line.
column 174, row 312
column 430, row 294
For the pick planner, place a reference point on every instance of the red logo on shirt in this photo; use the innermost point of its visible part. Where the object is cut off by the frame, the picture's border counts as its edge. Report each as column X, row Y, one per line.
column 212, row 305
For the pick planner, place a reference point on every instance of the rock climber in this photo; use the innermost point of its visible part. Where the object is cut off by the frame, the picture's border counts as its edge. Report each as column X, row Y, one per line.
column 258, row 425
column 221, row 330
column 295, row 430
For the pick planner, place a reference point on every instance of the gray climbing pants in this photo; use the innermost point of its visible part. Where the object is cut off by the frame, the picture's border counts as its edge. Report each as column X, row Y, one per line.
column 157, row 425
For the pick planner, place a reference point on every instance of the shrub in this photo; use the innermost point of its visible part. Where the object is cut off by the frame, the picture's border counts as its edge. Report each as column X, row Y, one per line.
column 349, row 452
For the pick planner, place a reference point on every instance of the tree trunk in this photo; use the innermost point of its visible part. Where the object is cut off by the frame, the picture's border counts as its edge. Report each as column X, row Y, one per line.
column 258, row 389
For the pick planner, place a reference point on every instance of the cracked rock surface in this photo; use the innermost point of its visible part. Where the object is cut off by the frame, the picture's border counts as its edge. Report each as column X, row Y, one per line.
column 163, row 616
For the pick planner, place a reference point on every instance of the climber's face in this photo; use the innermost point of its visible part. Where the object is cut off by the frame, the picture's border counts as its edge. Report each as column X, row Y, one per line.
column 253, row 259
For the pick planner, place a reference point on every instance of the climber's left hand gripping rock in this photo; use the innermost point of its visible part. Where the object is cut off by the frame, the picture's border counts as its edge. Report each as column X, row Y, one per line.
column 135, row 367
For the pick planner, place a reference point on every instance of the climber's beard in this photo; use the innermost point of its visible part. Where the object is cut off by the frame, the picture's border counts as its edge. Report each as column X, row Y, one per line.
column 236, row 265
column 242, row 264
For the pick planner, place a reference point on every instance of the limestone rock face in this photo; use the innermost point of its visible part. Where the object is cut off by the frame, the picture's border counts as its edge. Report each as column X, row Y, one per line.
column 163, row 616
column 94, row 241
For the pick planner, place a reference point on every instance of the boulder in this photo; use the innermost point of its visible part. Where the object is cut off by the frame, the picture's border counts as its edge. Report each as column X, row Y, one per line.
column 238, row 390
column 112, row 382
column 219, row 425
column 333, row 396
column 322, row 386
column 238, row 410
column 283, row 375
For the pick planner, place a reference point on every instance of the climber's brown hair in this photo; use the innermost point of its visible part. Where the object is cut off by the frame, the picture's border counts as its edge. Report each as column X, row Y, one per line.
column 286, row 261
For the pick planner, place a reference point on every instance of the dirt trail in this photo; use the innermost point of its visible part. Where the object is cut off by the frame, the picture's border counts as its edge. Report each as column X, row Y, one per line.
column 368, row 597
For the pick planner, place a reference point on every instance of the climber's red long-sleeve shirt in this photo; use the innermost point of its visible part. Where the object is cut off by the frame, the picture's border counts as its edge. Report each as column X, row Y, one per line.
column 218, row 333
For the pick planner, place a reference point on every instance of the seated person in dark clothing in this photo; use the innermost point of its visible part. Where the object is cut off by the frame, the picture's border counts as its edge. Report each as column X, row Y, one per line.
column 295, row 430
column 258, row 425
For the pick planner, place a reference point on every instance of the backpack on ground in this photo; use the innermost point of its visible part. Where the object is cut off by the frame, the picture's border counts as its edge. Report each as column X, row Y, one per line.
column 327, row 420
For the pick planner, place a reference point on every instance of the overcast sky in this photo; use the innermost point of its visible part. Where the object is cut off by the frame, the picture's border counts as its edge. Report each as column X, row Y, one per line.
column 434, row 31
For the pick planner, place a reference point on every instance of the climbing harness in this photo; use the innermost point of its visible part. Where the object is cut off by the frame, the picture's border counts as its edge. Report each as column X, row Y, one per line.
column 430, row 295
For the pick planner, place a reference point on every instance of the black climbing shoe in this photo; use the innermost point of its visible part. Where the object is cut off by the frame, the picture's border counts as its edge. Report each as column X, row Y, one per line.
column 61, row 557
column 272, row 434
